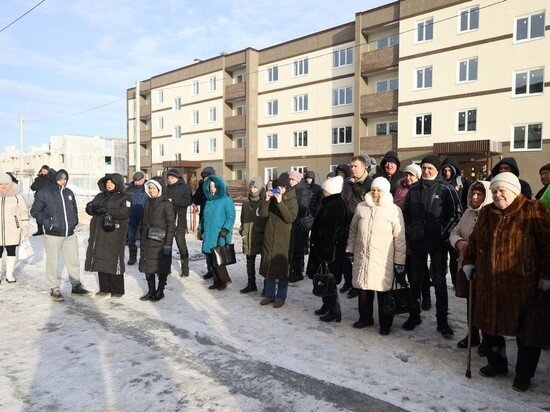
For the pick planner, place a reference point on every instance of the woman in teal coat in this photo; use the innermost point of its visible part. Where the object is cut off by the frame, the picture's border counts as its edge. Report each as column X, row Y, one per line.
column 216, row 226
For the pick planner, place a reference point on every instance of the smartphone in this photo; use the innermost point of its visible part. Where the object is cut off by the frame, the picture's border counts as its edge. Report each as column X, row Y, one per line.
column 276, row 191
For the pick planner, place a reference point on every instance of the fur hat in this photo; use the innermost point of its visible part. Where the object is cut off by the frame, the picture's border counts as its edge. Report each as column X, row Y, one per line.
column 296, row 176
column 138, row 175
column 173, row 172
column 207, row 171
column 433, row 160
column 414, row 170
column 508, row 180
column 5, row 178
column 334, row 185
column 381, row 183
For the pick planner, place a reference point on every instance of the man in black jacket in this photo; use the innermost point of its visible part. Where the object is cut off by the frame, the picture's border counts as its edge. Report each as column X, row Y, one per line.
column 55, row 208
column 41, row 180
column 389, row 168
column 315, row 193
column 299, row 232
column 509, row 164
column 179, row 193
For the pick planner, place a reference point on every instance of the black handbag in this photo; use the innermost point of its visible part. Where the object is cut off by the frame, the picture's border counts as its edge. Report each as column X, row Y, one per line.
column 224, row 255
column 306, row 222
column 534, row 329
column 398, row 300
column 324, row 283
column 108, row 223
column 156, row 233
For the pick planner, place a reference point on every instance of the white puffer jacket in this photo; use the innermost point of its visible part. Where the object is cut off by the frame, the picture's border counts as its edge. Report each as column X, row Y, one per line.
column 14, row 216
column 377, row 241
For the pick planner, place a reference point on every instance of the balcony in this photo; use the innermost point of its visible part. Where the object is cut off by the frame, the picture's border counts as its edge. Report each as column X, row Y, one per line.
column 144, row 111
column 378, row 104
column 145, row 136
column 377, row 146
column 379, row 60
column 234, row 92
column 146, row 161
column 235, row 124
column 235, row 155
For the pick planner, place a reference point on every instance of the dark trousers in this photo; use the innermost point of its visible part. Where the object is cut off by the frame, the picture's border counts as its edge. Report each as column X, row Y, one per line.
column 110, row 283
column 215, row 271
column 528, row 356
column 298, row 264
column 453, row 262
column 366, row 299
column 9, row 249
column 347, row 267
column 182, row 248
column 331, row 302
column 439, row 270
column 132, row 233
column 251, row 269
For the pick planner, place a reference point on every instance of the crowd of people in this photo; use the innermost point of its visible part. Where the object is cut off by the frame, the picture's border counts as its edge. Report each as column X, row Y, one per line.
column 374, row 228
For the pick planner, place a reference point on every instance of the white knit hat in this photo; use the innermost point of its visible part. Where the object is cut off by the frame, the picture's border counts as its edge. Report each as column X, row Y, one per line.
column 381, row 183
column 414, row 170
column 508, row 180
column 333, row 185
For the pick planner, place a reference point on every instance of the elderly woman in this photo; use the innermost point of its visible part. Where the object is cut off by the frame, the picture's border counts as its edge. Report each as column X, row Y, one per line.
column 157, row 234
column 14, row 222
column 508, row 257
column 110, row 211
column 377, row 242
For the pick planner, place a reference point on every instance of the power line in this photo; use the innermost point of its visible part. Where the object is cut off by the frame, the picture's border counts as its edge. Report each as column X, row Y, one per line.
column 77, row 113
column 20, row 17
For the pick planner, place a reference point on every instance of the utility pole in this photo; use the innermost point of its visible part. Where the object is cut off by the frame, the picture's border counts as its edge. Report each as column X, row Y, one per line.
column 137, row 127
column 20, row 147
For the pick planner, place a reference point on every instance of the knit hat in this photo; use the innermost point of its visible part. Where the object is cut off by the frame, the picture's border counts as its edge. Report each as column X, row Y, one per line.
column 433, row 160
column 138, row 175
column 381, row 183
column 333, row 185
column 297, row 176
column 545, row 167
column 173, row 172
column 414, row 170
column 256, row 181
column 61, row 174
column 5, row 178
column 508, row 180
column 207, row 171
column 282, row 181
column 391, row 156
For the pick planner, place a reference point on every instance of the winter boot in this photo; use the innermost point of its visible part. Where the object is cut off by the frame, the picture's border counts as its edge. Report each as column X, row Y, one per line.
column 151, row 285
column 10, row 266
column 133, row 255
column 414, row 318
column 159, row 294
column 443, row 326
column 322, row 310
column 251, row 272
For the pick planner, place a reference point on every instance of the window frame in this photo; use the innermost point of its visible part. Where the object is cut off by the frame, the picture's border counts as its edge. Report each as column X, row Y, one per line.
column 160, row 123
column 212, row 83
column 195, row 117
column 160, row 96
column 468, row 61
column 388, row 41
column 345, row 135
column 195, row 88
column 300, row 67
column 388, row 85
column 272, row 141
column 177, row 103
column 299, row 169
column 176, row 131
column 337, row 93
column 272, row 74
column 340, row 57
column 272, row 107
column 160, row 149
column 466, row 121
column 270, row 173
column 526, row 137
column 423, row 69
column 415, row 134
column 417, row 30
column 388, row 128
column 300, row 103
column 195, row 146
column 527, row 83
column 212, row 114
column 467, row 11
column 529, row 25
column 299, row 136
column 212, row 145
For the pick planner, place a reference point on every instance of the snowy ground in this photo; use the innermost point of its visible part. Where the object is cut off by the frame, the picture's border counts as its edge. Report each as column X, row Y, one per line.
column 204, row 350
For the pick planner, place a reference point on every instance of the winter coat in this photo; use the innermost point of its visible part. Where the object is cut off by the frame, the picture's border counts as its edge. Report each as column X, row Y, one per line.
column 545, row 198
column 377, row 241
column 539, row 194
column 354, row 192
column 40, row 182
column 525, row 187
column 327, row 237
column 315, row 195
column 105, row 251
column 180, row 195
column 14, row 217
column 139, row 198
column 461, row 185
column 277, row 246
column 299, row 236
column 55, row 208
column 199, row 199
column 400, row 193
column 219, row 213
column 510, row 249
column 465, row 226
column 160, row 213
column 393, row 179
column 252, row 224
column 443, row 215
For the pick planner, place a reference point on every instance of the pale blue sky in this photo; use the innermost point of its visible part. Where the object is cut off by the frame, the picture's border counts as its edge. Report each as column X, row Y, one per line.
column 69, row 56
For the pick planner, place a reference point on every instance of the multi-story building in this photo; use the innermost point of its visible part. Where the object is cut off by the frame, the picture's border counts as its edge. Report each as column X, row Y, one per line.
column 453, row 77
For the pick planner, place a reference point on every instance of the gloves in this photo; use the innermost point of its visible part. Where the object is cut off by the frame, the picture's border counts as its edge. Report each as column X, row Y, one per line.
column 399, row 272
column 167, row 250
column 349, row 255
column 544, row 284
column 223, row 233
column 99, row 210
column 469, row 271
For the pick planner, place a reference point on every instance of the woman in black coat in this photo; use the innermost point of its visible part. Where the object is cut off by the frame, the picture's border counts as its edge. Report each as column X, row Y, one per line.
column 156, row 255
column 110, row 211
column 327, row 244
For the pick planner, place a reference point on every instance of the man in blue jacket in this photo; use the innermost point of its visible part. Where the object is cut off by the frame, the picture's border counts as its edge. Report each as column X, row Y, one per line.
column 55, row 208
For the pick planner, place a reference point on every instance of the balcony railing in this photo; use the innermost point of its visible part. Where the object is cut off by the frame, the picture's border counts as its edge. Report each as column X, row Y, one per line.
column 379, row 104
column 145, row 136
column 378, row 145
column 235, row 124
column 379, row 60
column 144, row 111
column 146, row 161
column 235, row 155
column 235, row 92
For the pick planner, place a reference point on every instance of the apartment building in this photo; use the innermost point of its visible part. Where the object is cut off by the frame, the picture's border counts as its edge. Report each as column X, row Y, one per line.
column 461, row 78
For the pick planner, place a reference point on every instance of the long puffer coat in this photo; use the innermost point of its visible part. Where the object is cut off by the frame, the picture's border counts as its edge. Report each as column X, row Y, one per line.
column 377, row 241
column 160, row 213
column 510, row 250
column 252, row 224
column 299, row 236
column 14, row 217
column 277, row 246
column 105, row 252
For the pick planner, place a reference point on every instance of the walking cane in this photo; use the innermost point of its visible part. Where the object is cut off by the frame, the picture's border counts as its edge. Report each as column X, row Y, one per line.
column 469, row 361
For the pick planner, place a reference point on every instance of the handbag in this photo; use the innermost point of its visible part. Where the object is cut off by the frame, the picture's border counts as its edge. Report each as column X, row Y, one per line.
column 534, row 323
column 324, row 283
column 461, row 287
column 108, row 222
column 156, row 233
column 306, row 222
column 224, row 255
column 25, row 250
column 398, row 300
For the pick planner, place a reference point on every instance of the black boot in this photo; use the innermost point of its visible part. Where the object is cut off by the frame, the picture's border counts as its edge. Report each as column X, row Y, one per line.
column 322, row 310
column 132, row 259
column 249, row 288
column 443, row 326
column 464, row 342
column 414, row 318
column 151, row 285
column 251, row 273
column 329, row 317
column 159, row 294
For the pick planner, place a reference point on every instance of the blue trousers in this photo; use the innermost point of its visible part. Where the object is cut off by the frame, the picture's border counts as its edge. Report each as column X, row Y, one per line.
column 270, row 285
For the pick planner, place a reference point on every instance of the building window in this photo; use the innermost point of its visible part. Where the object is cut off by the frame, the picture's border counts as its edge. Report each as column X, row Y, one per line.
column 529, row 82
column 342, row 58
column 423, row 125
column 469, row 19
column 467, row 70
column 211, row 114
column 177, row 103
column 195, row 117
column 300, row 103
column 240, row 142
column 385, row 85
column 467, row 120
column 299, row 169
column 196, row 146
column 342, row 96
column 300, row 67
column 272, row 141
column 240, row 110
column 177, row 132
column 299, row 139
column 160, row 149
column 272, row 108
column 240, row 78
column 270, row 173
column 211, row 145
column 212, row 84
column 195, row 88
column 424, row 78
column 425, row 30
column 178, row 156
column 387, row 41
column 239, row 174
column 272, row 74
column 160, row 96
column 332, row 169
column 341, row 135
column 108, row 160
column 160, row 123
column 527, row 137
column 530, row 27
column 386, row 128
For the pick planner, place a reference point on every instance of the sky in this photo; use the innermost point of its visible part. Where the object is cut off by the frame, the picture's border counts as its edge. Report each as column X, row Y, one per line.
column 68, row 57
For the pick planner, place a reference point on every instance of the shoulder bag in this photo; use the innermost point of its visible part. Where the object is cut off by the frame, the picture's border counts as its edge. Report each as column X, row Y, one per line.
column 224, row 255
column 306, row 222
column 324, row 283
column 156, row 233
column 398, row 300
column 108, row 222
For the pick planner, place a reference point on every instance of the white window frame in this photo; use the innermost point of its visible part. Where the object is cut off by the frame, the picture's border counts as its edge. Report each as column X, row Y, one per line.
column 300, row 67
column 299, row 169
column 388, row 128
column 342, row 57
column 240, row 78
column 240, row 172
column 195, row 88
column 241, row 109
column 177, row 156
column 195, row 146
column 389, row 41
column 160, row 96
column 270, row 173
column 332, row 168
column 176, row 133
column 212, row 84
column 424, row 76
column 212, row 114
column 466, row 114
column 300, row 103
column 299, row 139
column 160, row 149
column 423, row 115
column 272, row 107
column 388, row 83
column 272, row 74
column 425, row 23
column 342, row 96
column 212, row 145
column 529, row 18
column 339, row 135
column 239, row 142
column 525, row 148
column 160, row 123
column 272, row 141
column 177, row 103
column 468, row 13
column 468, row 69
column 527, row 81
column 195, row 117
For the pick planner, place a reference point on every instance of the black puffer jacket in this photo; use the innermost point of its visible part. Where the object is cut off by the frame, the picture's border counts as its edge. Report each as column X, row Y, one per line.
column 299, row 236
column 510, row 161
column 354, row 192
column 40, row 182
column 315, row 194
column 460, row 184
column 180, row 195
column 394, row 179
column 105, row 251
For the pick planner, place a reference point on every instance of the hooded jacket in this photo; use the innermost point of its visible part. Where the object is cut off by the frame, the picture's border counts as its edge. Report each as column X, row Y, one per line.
column 14, row 217
column 139, row 197
column 315, row 194
column 510, row 161
column 391, row 156
column 460, row 185
column 180, row 195
column 55, row 208
column 252, row 224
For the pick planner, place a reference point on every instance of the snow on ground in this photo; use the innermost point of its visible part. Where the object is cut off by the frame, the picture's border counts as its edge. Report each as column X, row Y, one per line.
column 203, row 350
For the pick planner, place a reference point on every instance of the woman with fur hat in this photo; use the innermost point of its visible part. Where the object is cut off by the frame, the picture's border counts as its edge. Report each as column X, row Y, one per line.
column 377, row 242
column 14, row 223
column 508, row 257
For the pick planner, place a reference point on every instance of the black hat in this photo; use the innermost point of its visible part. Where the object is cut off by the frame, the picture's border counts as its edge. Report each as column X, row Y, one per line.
column 138, row 176
column 545, row 167
column 207, row 171
column 433, row 160
column 45, row 167
column 283, row 181
column 173, row 172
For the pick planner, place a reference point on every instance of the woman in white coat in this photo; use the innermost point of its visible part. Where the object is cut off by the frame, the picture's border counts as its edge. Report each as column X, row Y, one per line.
column 14, row 222
column 377, row 242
